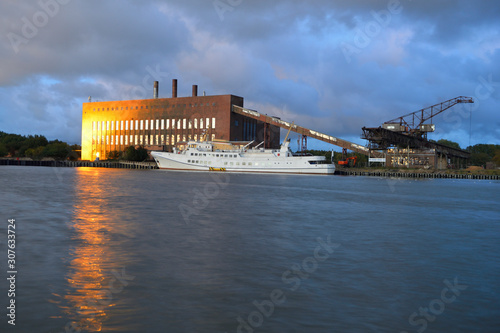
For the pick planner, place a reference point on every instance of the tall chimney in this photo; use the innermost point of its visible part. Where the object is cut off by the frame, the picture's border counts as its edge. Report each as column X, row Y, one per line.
column 195, row 90
column 174, row 88
column 155, row 91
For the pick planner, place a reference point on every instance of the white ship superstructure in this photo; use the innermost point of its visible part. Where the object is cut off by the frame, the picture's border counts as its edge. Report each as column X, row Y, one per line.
column 238, row 157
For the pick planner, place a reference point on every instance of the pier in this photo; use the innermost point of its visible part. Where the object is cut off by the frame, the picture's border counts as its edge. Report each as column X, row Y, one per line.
column 414, row 174
column 77, row 164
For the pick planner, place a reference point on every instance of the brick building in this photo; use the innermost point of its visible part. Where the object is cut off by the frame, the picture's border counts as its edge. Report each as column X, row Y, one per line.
column 161, row 123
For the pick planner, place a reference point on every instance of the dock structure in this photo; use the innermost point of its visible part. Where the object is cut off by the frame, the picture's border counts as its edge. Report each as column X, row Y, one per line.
column 301, row 130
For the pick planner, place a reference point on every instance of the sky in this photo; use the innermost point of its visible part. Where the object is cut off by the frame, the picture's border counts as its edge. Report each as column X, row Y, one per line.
column 332, row 66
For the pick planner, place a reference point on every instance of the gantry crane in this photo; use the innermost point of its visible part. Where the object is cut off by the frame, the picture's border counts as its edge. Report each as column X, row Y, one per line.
column 414, row 123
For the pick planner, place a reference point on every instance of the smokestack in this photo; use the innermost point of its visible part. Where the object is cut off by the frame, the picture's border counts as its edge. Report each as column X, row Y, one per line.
column 195, row 90
column 174, row 88
column 155, row 90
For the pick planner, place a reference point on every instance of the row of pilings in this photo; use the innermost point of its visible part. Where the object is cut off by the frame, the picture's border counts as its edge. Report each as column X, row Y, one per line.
column 76, row 164
column 423, row 175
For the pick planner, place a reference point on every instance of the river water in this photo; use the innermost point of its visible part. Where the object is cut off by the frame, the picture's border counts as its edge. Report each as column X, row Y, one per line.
column 114, row 250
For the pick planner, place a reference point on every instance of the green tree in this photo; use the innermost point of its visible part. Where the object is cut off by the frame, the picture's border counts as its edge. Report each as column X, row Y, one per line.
column 35, row 153
column 3, row 150
column 130, row 154
column 449, row 143
column 57, row 149
column 496, row 158
column 138, row 155
column 479, row 159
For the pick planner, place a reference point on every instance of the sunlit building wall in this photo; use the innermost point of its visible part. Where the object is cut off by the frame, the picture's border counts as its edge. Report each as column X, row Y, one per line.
column 160, row 123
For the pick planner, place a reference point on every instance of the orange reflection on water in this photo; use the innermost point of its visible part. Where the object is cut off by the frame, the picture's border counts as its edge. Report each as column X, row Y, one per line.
column 88, row 298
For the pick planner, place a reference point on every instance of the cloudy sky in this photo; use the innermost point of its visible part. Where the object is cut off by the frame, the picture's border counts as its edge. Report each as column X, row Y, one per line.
column 334, row 66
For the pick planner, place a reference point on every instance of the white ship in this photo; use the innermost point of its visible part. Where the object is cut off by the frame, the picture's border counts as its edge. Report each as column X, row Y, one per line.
column 238, row 157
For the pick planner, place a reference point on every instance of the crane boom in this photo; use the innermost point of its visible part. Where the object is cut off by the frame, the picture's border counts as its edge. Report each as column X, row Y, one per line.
column 414, row 122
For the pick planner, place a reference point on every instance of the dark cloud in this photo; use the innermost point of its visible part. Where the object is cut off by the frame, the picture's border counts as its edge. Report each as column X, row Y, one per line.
column 333, row 65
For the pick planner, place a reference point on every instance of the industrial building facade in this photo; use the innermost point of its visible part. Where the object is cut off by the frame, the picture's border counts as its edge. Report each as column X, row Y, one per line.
column 161, row 123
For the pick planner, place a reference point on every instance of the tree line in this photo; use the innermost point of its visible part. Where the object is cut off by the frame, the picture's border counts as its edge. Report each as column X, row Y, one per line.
column 36, row 147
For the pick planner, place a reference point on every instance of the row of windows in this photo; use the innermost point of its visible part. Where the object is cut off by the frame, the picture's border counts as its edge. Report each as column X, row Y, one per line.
column 122, row 108
column 201, row 123
column 125, row 140
column 225, row 163
column 216, row 155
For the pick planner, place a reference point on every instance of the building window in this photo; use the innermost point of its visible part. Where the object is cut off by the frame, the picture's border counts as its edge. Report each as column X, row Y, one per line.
column 213, row 137
column 162, row 139
column 112, row 140
column 184, row 138
column 116, row 140
column 201, row 123
column 157, row 124
column 145, row 140
column 184, row 123
column 121, row 140
column 131, row 140
column 131, row 124
column 118, row 125
column 196, row 137
column 112, row 125
column 93, row 126
column 151, row 139
column 141, row 140
column 168, row 123
column 163, row 124
column 107, row 125
column 178, row 137
column 136, row 139
column 190, row 124
column 147, row 122
column 142, row 125
column 213, row 122
column 195, row 123
column 152, row 124
column 207, row 123
column 157, row 140
column 121, row 125
column 107, row 139
column 126, row 140
column 178, row 124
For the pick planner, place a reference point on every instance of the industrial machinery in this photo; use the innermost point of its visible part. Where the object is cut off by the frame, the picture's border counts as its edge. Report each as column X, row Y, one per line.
column 347, row 161
column 414, row 123
column 403, row 140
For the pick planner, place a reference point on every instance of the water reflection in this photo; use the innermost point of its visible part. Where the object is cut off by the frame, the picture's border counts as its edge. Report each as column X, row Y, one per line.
column 94, row 260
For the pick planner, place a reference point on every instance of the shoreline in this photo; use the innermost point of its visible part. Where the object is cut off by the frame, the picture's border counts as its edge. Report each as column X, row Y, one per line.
column 420, row 173
column 367, row 172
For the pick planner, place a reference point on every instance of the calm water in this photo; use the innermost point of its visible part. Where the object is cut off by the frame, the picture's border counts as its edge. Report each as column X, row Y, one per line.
column 151, row 251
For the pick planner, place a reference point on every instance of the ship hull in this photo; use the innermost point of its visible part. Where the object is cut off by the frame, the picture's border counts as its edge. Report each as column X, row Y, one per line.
column 252, row 164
